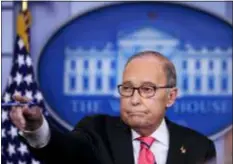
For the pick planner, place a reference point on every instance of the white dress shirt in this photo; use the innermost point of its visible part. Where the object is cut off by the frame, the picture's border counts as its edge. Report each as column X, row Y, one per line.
column 40, row 138
column 159, row 147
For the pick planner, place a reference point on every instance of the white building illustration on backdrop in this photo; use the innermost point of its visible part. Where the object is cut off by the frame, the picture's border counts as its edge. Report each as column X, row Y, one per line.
column 202, row 71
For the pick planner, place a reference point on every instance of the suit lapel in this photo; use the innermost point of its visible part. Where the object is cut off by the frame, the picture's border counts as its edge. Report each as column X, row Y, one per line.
column 177, row 149
column 120, row 142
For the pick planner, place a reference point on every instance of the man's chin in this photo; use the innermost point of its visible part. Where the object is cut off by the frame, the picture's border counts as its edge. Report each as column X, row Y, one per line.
column 137, row 122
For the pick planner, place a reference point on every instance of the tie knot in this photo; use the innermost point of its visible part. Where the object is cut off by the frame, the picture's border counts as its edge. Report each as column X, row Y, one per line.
column 146, row 141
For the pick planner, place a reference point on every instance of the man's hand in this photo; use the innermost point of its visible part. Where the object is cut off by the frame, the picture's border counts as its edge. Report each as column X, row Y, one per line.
column 25, row 118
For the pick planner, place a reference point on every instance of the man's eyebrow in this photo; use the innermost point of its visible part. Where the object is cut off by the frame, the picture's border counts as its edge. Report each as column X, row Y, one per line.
column 142, row 83
column 127, row 82
column 147, row 83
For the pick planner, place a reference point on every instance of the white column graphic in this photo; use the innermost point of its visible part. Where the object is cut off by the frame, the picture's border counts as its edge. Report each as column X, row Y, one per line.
column 79, row 81
column 66, row 76
column 92, row 75
column 106, row 73
column 217, row 75
column 191, row 70
column 204, row 75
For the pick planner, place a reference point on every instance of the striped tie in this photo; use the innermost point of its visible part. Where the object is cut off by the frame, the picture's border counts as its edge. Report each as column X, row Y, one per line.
column 145, row 155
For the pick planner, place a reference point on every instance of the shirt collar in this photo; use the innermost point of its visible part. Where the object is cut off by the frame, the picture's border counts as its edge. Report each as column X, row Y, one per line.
column 161, row 134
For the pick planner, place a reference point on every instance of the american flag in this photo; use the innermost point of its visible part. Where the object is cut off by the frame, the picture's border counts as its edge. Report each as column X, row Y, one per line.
column 21, row 81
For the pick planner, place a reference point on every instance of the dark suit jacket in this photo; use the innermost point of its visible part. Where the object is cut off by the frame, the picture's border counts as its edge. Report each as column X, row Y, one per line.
column 102, row 139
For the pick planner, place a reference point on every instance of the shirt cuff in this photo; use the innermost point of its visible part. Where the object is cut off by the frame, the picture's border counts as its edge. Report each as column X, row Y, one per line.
column 39, row 137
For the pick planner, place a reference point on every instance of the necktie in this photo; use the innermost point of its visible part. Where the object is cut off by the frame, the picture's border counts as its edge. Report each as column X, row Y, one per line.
column 145, row 154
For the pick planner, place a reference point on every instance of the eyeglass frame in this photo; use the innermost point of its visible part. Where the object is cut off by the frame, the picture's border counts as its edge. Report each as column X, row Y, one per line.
column 138, row 88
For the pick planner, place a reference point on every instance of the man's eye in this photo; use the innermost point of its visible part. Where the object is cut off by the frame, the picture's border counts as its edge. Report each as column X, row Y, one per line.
column 147, row 89
column 126, row 88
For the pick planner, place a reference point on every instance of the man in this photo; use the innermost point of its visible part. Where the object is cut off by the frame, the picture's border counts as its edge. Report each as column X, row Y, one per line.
column 142, row 135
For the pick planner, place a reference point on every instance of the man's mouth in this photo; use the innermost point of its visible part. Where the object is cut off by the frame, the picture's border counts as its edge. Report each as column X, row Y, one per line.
column 139, row 114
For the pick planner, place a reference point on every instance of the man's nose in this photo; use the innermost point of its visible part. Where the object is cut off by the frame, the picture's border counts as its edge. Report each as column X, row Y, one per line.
column 135, row 98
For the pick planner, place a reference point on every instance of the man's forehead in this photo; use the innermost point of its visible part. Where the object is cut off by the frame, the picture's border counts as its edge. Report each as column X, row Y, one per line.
column 147, row 58
column 143, row 70
column 139, row 78
column 138, row 65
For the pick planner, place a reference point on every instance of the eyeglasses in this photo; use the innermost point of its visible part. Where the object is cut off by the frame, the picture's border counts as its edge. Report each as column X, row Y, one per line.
column 144, row 90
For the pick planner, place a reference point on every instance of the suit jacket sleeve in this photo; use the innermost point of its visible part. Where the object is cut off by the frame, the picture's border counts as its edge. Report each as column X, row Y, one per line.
column 72, row 147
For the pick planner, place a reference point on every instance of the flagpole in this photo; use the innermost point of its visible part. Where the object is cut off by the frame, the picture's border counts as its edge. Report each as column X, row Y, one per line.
column 24, row 24
column 24, row 5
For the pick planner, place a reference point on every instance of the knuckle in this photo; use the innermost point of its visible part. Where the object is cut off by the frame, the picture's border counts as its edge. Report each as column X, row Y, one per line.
column 18, row 114
column 16, row 123
column 11, row 114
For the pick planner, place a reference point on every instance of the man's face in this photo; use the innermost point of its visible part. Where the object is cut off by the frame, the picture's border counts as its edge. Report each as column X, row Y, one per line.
column 137, row 111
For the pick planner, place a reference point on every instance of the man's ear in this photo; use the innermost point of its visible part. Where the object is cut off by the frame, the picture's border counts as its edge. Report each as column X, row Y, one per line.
column 172, row 95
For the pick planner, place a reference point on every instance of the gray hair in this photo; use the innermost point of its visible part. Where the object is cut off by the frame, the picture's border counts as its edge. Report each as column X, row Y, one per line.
column 168, row 66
